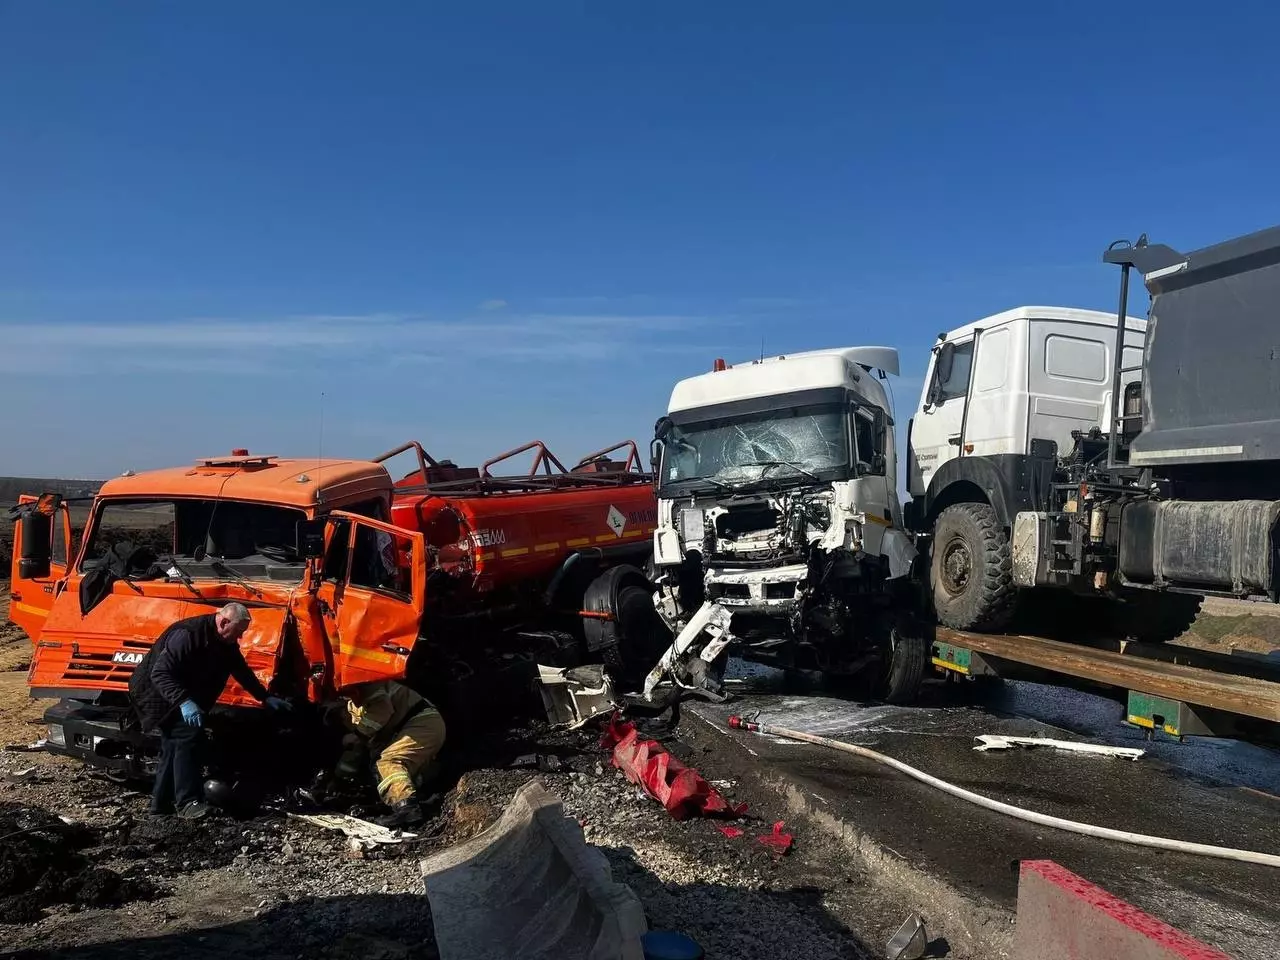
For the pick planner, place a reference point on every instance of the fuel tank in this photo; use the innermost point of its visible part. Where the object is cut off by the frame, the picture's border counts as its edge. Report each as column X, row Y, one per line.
column 497, row 532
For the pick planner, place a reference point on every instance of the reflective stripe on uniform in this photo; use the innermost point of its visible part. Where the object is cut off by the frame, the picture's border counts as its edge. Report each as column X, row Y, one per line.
column 387, row 782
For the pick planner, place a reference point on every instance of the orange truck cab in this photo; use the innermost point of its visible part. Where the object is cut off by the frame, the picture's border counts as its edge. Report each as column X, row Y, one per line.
column 335, row 592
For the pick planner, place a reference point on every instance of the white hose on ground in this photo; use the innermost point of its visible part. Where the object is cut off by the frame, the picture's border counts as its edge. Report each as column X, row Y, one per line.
column 1072, row 826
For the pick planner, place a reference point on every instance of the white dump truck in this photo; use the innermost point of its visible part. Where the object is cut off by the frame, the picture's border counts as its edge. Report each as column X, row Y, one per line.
column 780, row 532
column 1057, row 452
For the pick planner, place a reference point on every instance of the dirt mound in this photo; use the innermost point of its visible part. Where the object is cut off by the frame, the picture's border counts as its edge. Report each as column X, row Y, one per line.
column 43, row 862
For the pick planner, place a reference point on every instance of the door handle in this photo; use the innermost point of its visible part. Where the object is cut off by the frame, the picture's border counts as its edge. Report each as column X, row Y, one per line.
column 954, row 440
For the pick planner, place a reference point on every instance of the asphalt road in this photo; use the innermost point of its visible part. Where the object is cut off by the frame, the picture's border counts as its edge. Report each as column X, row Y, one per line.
column 1216, row 792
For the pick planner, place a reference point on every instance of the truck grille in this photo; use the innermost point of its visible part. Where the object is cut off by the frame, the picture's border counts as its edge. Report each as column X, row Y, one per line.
column 88, row 667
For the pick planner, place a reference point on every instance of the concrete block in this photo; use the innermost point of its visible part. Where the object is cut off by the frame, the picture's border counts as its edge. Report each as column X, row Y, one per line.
column 1064, row 917
column 531, row 887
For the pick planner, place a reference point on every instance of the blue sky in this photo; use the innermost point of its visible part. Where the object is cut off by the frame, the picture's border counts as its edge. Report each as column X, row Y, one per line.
column 477, row 224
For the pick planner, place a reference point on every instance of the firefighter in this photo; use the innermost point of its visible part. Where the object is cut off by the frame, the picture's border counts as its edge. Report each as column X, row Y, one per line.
column 403, row 732
column 176, row 684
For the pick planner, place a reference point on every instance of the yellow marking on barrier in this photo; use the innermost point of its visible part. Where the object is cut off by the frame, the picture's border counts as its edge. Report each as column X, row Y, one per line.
column 1150, row 725
column 578, row 542
column 515, row 552
column 633, row 533
column 606, row 538
column 541, row 547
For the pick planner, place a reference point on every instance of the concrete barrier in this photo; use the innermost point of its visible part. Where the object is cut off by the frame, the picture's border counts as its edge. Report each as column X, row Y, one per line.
column 531, row 887
column 1064, row 917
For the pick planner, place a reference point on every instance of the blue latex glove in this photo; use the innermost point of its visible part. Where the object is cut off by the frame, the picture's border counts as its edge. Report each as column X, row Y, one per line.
column 275, row 703
column 191, row 713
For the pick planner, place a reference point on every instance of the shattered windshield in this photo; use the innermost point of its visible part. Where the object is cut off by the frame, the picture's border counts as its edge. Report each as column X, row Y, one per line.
column 783, row 445
column 229, row 537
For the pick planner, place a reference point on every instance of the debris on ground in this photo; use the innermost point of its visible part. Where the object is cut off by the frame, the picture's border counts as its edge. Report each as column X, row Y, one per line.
column 680, row 789
column 776, row 840
column 994, row 741
column 574, row 696
column 361, row 831
column 44, row 861
column 910, row 942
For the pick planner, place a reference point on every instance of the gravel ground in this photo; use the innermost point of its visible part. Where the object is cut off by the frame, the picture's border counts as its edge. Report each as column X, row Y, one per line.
column 275, row 887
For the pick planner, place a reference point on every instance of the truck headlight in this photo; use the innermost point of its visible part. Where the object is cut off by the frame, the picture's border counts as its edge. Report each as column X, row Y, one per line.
column 56, row 736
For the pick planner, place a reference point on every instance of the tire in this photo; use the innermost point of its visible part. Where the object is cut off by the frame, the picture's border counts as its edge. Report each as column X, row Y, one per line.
column 1156, row 617
column 908, row 658
column 643, row 638
column 970, row 570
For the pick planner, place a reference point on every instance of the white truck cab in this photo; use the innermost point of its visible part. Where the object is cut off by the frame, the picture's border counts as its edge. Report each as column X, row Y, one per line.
column 779, row 524
column 1004, row 398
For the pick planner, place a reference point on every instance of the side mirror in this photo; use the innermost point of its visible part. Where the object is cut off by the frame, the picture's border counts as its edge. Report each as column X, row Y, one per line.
column 311, row 538
column 941, row 371
column 35, row 553
column 655, row 454
column 946, row 361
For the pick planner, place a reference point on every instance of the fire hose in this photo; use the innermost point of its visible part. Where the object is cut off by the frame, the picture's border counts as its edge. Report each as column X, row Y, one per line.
column 1071, row 826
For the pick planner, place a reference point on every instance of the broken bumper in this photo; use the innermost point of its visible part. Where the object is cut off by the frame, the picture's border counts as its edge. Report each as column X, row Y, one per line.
column 97, row 736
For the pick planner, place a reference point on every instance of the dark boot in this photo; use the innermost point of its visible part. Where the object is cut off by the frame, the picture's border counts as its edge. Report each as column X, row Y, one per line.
column 406, row 813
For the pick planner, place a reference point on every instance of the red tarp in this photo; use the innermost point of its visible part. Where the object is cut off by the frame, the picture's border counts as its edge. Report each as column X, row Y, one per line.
column 646, row 763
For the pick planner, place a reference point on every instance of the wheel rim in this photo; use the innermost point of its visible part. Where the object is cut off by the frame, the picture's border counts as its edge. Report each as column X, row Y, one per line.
column 957, row 566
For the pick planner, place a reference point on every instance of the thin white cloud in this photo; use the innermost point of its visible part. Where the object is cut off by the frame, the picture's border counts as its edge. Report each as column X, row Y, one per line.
column 490, row 305
column 250, row 346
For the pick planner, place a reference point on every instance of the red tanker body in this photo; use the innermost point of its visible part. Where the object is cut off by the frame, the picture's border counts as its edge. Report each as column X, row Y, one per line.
column 553, row 552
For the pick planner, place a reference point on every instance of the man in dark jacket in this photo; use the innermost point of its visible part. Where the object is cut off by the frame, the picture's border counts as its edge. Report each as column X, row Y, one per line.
column 176, row 684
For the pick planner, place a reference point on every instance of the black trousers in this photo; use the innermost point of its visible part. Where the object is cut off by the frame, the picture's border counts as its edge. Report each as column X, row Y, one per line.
column 179, row 777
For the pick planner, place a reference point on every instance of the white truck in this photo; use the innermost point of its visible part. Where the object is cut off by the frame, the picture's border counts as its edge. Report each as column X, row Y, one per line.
column 1056, row 453
column 1008, row 402
column 780, row 530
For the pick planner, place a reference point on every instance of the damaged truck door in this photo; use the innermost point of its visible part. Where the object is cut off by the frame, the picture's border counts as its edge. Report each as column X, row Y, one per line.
column 42, row 544
column 372, row 593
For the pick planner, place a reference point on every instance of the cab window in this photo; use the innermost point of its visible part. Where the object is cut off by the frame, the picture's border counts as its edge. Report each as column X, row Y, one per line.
column 382, row 561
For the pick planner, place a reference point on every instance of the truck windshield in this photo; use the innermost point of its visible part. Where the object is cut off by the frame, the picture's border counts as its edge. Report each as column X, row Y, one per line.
column 254, row 540
column 788, row 445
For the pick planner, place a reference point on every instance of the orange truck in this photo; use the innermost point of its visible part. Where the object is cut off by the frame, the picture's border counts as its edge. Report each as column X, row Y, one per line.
column 345, row 573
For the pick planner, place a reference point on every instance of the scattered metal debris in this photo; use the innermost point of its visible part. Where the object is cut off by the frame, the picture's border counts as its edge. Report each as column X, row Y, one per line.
column 25, row 747
column 910, row 942
column 994, row 741
column 572, row 696
column 361, row 832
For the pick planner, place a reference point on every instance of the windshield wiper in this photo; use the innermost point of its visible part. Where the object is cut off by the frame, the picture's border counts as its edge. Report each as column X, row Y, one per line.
column 779, row 463
column 718, row 484
column 226, row 572
column 178, row 573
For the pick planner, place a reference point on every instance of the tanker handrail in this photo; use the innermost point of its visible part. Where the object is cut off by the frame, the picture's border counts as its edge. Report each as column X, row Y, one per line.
column 543, row 458
column 633, row 458
column 424, row 459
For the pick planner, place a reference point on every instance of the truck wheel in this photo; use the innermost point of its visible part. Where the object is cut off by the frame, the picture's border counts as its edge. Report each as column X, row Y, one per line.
column 908, row 657
column 970, row 569
column 1157, row 617
column 643, row 639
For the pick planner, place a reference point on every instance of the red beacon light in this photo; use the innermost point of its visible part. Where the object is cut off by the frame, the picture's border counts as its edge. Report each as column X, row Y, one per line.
column 718, row 365
column 239, row 452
